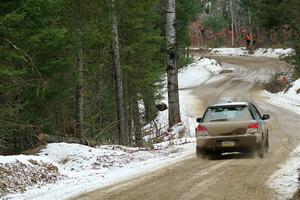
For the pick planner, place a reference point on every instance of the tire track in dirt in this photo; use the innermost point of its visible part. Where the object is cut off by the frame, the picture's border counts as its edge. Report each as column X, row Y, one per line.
column 234, row 176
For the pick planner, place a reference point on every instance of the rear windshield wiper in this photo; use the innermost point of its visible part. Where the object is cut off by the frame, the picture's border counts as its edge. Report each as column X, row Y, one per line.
column 215, row 120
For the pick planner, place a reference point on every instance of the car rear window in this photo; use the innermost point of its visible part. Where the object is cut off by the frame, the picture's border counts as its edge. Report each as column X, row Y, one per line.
column 227, row 113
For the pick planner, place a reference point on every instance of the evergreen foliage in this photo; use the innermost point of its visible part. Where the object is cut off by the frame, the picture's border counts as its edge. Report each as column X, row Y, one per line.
column 38, row 79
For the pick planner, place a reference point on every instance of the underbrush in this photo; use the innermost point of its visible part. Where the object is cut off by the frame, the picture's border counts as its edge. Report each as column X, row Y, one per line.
column 281, row 81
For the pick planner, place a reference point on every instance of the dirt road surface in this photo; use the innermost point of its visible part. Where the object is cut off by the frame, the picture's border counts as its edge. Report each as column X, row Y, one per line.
column 233, row 177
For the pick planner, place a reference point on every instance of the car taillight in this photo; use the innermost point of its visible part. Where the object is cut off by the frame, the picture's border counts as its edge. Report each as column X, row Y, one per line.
column 201, row 130
column 253, row 128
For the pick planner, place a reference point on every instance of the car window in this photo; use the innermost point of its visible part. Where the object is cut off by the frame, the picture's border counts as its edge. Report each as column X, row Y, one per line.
column 255, row 112
column 227, row 113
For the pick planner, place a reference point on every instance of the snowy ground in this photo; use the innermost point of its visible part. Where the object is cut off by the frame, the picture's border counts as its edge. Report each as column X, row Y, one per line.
column 261, row 52
column 64, row 170
column 191, row 76
column 79, row 168
column 289, row 100
column 285, row 180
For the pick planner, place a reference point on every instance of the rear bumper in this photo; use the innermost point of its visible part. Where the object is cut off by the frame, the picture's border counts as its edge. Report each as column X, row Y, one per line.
column 236, row 143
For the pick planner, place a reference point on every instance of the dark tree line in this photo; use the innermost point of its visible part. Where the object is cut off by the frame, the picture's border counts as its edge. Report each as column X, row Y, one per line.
column 273, row 23
column 62, row 63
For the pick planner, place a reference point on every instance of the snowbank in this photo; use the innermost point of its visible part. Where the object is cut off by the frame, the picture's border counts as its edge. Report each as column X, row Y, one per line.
column 242, row 51
column 17, row 173
column 261, row 52
column 289, row 100
column 73, row 169
column 65, row 170
column 285, row 180
column 198, row 72
column 191, row 76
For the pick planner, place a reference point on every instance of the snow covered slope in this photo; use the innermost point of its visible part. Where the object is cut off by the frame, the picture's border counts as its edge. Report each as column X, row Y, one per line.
column 289, row 100
column 285, row 180
column 63, row 170
column 191, row 76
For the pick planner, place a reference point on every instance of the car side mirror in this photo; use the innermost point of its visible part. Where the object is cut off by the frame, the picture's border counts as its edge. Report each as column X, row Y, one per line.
column 199, row 119
column 265, row 117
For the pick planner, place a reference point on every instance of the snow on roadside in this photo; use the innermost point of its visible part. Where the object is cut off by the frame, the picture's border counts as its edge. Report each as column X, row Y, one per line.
column 273, row 53
column 289, row 100
column 198, row 72
column 241, row 51
column 261, row 52
column 285, row 180
column 81, row 168
column 74, row 169
column 17, row 173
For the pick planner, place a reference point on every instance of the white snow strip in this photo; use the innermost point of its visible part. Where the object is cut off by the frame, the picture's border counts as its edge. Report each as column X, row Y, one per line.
column 285, row 180
column 195, row 74
column 198, row 72
column 242, row 51
column 261, row 52
column 88, row 168
column 85, row 168
column 289, row 100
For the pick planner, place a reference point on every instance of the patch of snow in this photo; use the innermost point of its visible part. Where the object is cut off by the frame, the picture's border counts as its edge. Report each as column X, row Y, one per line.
column 198, row 72
column 273, row 53
column 285, row 180
column 261, row 52
column 289, row 100
column 85, row 168
column 195, row 74
column 241, row 51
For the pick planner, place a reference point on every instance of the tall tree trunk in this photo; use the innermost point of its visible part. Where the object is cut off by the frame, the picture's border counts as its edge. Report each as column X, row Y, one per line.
column 232, row 27
column 79, row 92
column 137, row 123
column 118, row 78
column 250, row 27
column 172, row 76
column 129, row 113
column 79, row 70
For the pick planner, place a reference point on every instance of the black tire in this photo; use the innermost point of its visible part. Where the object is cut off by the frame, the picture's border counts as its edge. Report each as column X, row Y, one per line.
column 250, row 153
column 200, row 154
column 215, row 155
column 267, row 145
column 261, row 151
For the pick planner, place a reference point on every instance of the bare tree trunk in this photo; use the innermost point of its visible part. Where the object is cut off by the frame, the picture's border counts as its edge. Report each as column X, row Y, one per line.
column 129, row 113
column 79, row 71
column 118, row 76
column 250, row 27
column 137, row 123
column 232, row 32
column 79, row 91
column 172, row 76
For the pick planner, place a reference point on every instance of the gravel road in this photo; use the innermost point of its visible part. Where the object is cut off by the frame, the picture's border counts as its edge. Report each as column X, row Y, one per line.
column 233, row 177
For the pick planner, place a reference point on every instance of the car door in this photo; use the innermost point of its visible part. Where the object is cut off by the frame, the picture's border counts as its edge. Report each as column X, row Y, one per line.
column 259, row 119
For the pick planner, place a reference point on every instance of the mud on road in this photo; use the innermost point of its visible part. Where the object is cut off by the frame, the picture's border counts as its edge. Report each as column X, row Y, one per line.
column 233, row 177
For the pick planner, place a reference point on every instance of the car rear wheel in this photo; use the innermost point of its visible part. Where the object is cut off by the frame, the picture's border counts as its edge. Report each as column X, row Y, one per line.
column 261, row 151
column 215, row 155
column 263, row 148
column 267, row 145
column 200, row 154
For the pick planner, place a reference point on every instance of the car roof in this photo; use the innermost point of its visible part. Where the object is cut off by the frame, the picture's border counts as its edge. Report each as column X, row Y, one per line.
column 241, row 103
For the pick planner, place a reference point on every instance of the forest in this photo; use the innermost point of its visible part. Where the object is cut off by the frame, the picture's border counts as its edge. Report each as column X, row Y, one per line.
column 79, row 71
